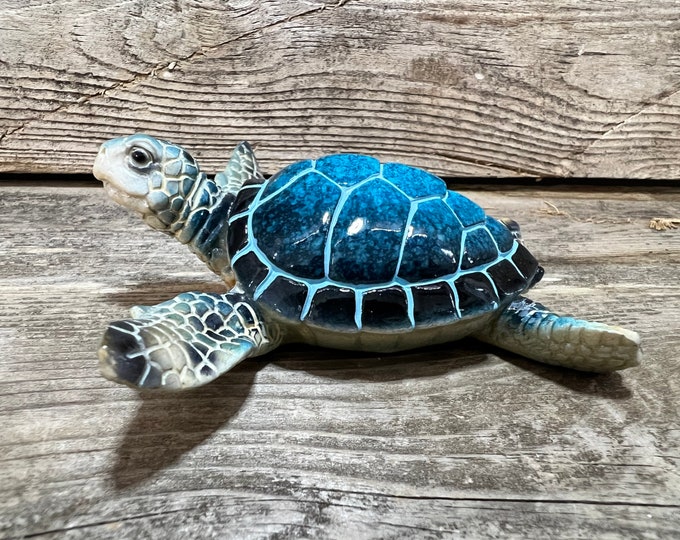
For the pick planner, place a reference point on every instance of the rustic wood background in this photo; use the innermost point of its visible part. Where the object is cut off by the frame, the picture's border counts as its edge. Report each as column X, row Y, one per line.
column 474, row 87
column 457, row 441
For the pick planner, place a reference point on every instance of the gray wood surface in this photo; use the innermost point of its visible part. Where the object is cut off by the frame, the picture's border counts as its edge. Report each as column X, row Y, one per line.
column 457, row 441
column 477, row 87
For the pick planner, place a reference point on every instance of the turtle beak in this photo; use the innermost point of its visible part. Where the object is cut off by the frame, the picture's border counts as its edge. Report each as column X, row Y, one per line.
column 120, row 184
column 99, row 168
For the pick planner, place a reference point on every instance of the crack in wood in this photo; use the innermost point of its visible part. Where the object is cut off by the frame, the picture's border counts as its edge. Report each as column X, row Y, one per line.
column 10, row 131
column 510, row 500
column 121, row 520
column 493, row 165
column 646, row 106
column 140, row 78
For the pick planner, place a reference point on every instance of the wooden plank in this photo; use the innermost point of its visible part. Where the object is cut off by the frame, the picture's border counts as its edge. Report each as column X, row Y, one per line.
column 475, row 88
column 453, row 440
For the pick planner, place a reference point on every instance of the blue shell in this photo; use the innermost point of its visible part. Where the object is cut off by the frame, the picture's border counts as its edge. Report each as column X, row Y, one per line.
column 347, row 243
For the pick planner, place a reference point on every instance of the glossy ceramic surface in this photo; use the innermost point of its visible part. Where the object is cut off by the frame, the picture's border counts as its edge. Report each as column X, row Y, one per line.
column 347, row 243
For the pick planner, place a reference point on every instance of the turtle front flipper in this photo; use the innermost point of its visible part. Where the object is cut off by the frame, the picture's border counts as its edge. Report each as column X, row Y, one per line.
column 185, row 342
column 241, row 168
column 530, row 329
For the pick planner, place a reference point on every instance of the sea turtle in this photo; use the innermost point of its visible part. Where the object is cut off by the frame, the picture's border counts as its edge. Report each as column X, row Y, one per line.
column 342, row 251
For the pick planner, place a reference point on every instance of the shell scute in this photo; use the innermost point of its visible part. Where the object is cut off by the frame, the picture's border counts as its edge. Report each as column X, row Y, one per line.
column 245, row 197
column 507, row 278
column 433, row 302
column 478, row 249
column 433, row 243
column 385, row 309
column 237, row 234
column 285, row 296
column 291, row 228
column 251, row 271
column 334, row 306
column 501, row 234
column 283, row 177
column 476, row 294
column 348, row 169
column 525, row 262
column 467, row 212
column 366, row 240
column 416, row 183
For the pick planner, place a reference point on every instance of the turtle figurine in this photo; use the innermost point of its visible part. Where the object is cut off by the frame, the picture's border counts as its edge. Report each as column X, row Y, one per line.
column 342, row 251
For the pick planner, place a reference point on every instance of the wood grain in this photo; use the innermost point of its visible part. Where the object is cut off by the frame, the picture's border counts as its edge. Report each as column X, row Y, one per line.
column 453, row 441
column 475, row 88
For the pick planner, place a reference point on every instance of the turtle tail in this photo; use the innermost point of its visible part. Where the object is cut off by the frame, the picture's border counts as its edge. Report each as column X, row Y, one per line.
column 528, row 328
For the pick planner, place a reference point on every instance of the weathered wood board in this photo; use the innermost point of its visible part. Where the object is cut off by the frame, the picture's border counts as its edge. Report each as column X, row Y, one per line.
column 454, row 441
column 478, row 87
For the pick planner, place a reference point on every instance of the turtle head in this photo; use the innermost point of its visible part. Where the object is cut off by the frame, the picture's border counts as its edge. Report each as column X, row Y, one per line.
column 149, row 176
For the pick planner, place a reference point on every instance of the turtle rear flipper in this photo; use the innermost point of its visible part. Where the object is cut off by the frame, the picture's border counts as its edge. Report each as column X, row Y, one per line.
column 530, row 329
column 185, row 342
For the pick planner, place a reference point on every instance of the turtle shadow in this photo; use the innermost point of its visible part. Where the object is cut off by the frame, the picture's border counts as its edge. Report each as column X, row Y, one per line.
column 168, row 425
column 610, row 386
column 432, row 361
column 437, row 360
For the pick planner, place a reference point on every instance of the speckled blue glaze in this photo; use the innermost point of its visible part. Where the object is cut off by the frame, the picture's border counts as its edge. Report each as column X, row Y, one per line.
column 348, row 243
column 365, row 243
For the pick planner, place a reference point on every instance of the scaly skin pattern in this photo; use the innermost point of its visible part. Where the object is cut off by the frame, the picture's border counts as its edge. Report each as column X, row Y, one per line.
column 171, row 192
column 532, row 330
column 184, row 342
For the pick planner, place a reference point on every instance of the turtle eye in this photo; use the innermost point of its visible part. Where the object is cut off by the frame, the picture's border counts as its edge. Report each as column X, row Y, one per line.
column 139, row 157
